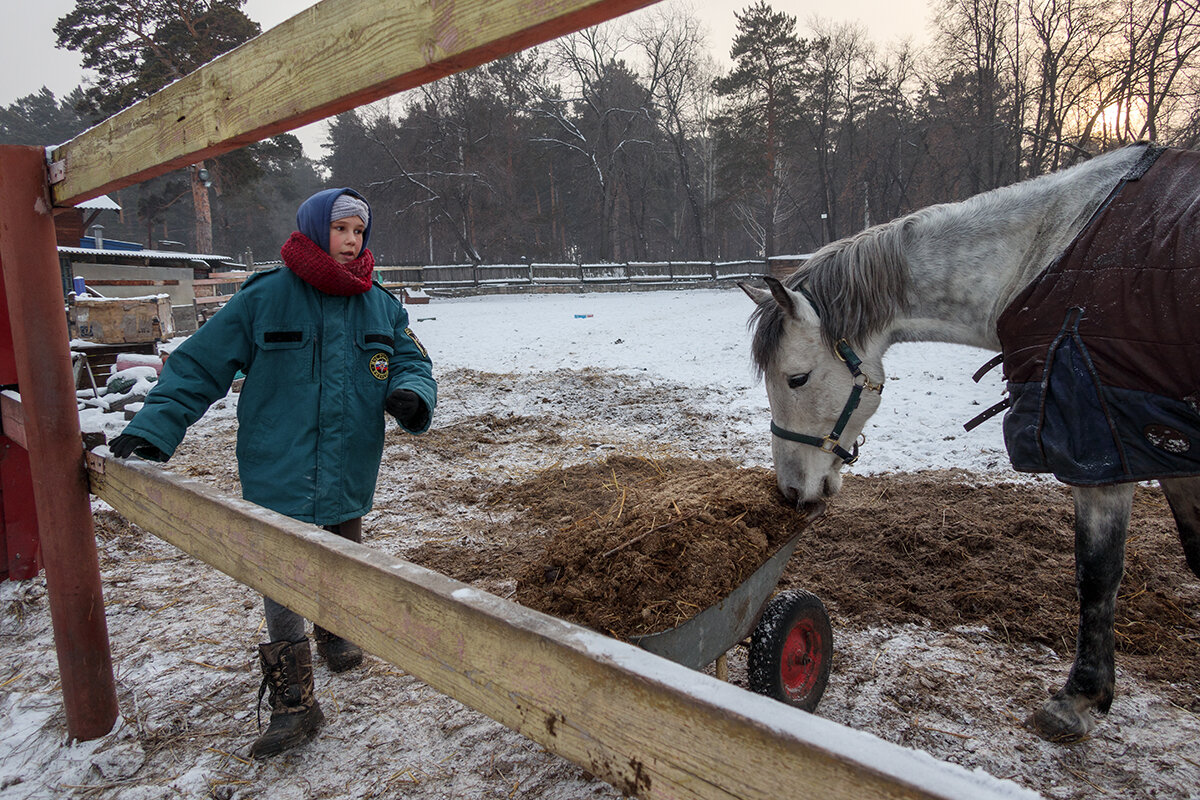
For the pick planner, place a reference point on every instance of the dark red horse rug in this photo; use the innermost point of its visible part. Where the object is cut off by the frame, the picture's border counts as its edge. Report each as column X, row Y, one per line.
column 1101, row 351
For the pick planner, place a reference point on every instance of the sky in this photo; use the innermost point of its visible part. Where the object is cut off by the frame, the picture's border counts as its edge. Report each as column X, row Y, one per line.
column 30, row 59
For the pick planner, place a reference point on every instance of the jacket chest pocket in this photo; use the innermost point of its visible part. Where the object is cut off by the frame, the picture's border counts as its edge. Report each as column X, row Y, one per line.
column 372, row 356
column 285, row 356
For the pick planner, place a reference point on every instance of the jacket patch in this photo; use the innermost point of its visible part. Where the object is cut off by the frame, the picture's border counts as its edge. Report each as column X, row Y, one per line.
column 282, row 336
column 409, row 333
column 379, row 366
column 379, row 338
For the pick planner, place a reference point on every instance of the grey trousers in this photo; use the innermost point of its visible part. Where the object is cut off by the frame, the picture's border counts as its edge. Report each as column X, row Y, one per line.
column 283, row 624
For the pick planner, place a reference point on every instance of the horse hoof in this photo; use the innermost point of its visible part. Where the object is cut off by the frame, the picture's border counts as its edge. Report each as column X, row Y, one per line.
column 1060, row 721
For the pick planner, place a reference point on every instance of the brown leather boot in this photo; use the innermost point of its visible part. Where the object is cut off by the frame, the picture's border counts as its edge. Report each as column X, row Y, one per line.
column 295, row 715
column 339, row 654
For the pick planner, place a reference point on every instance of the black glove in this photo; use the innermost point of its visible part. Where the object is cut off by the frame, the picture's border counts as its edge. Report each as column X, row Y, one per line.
column 124, row 446
column 404, row 405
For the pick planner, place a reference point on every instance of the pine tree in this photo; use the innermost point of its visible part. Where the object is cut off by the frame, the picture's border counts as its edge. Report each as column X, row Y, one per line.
column 137, row 47
column 760, row 109
column 41, row 119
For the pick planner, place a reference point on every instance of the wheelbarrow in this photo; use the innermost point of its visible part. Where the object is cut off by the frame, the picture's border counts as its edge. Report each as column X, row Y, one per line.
column 791, row 649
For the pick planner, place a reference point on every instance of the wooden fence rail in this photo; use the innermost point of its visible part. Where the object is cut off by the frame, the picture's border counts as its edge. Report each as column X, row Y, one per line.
column 648, row 726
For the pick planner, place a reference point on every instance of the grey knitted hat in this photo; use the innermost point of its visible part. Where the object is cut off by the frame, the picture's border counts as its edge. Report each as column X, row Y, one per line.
column 347, row 205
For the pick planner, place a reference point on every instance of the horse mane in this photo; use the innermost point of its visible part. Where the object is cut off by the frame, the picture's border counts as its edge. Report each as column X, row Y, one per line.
column 857, row 285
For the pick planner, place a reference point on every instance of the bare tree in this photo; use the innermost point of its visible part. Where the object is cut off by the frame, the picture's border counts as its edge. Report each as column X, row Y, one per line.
column 678, row 75
column 1068, row 37
column 978, row 47
column 604, row 119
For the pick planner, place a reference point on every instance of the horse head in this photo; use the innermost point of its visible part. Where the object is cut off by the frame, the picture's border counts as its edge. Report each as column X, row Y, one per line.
column 821, row 391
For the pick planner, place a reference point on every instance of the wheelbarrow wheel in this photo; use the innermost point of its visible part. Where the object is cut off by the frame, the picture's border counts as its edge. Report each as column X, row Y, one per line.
column 791, row 650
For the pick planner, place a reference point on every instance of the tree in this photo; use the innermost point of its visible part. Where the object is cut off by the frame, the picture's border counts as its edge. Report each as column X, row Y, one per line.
column 40, row 119
column 760, row 106
column 138, row 47
column 679, row 77
column 601, row 132
column 977, row 42
column 891, row 151
column 828, row 131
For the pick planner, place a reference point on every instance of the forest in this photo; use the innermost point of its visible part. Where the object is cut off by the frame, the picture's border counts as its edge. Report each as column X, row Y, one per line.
column 628, row 142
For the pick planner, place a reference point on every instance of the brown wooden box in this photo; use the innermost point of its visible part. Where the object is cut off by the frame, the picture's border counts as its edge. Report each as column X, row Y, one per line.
column 122, row 319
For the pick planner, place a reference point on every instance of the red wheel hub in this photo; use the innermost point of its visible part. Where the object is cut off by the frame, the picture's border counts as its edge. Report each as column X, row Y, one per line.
column 802, row 657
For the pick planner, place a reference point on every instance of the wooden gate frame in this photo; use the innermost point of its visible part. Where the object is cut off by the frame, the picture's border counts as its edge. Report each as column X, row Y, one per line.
column 646, row 725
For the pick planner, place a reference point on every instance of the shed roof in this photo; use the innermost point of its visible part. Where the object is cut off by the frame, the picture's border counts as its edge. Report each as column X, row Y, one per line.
column 101, row 203
column 159, row 255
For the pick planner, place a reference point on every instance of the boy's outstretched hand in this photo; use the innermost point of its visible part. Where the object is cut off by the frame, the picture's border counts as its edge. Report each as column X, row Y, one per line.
column 405, row 406
column 124, row 445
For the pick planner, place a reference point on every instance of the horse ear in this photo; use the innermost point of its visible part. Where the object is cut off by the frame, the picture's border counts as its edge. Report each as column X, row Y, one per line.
column 759, row 296
column 785, row 298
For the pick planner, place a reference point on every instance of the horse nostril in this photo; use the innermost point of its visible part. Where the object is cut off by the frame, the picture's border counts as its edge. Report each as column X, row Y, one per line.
column 826, row 489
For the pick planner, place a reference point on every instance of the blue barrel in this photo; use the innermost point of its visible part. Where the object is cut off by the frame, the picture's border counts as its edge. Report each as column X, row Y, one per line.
column 80, row 286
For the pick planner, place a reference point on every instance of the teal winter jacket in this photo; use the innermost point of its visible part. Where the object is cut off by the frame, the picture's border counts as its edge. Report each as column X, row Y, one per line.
column 311, row 413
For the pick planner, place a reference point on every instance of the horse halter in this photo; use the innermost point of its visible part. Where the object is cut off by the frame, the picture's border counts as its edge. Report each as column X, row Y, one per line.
column 830, row 443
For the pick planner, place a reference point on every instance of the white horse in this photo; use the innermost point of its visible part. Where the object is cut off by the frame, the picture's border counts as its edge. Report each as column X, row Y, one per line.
column 946, row 273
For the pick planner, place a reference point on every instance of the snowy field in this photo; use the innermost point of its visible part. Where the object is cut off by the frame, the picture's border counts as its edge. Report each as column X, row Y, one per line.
column 669, row 369
column 700, row 339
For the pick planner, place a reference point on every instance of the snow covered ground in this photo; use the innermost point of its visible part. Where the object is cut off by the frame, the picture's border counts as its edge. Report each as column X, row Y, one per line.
column 699, row 338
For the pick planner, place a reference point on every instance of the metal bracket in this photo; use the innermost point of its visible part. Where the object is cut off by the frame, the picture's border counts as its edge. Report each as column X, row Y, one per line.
column 95, row 467
column 58, row 171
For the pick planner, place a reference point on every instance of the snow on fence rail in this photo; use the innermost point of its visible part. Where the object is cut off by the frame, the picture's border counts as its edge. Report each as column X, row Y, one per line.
column 534, row 274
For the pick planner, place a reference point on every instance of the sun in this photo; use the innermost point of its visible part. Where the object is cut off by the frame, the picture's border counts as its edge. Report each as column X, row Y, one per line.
column 1120, row 120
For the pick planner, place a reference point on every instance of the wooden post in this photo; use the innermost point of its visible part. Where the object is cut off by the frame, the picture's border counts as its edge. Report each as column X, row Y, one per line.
column 51, row 426
column 19, row 548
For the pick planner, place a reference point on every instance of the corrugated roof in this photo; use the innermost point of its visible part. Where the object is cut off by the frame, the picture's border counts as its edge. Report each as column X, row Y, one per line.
column 101, row 203
column 160, row 255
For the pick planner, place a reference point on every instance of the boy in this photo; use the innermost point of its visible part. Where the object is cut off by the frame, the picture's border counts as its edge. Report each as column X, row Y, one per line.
column 325, row 351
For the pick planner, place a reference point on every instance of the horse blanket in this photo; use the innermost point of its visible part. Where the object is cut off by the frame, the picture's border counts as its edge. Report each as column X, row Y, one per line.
column 1101, row 351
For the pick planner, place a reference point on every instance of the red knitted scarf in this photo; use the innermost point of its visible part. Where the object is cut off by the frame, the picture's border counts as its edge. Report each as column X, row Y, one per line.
column 305, row 257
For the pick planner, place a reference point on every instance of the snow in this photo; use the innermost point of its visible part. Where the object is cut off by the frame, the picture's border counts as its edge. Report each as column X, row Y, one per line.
column 700, row 338
column 185, row 666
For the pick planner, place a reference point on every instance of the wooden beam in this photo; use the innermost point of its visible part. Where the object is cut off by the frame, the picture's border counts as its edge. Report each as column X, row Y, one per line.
column 335, row 56
column 33, row 288
column 648, row 726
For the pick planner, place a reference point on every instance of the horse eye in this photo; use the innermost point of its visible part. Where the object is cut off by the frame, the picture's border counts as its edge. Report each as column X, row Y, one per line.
column 796, row 381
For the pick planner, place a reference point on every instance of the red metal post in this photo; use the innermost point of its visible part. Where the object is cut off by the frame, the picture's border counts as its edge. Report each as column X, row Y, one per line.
column 46, row 383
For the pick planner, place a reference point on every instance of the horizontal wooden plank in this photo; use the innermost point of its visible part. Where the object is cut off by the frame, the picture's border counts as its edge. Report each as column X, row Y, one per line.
column 648, row 726
column 332, row 57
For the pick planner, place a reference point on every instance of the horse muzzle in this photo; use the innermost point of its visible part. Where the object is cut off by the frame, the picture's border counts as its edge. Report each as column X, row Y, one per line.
column 805, row 498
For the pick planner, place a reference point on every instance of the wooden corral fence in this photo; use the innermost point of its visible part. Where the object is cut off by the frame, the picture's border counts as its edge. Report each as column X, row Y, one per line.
column 649, row 727
column 451, row 276
column 220, row 286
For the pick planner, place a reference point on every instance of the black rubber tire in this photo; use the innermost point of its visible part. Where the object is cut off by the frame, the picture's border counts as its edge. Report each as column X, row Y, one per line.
column 791, row 650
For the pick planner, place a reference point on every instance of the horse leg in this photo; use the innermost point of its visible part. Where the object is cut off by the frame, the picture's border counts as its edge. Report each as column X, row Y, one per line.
column 1101, row 519
column 1183, row 495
